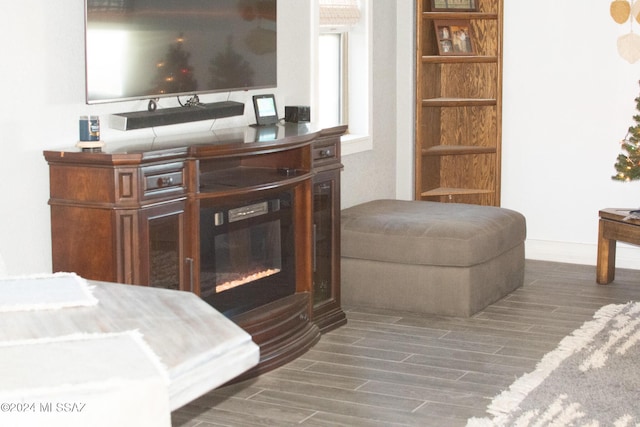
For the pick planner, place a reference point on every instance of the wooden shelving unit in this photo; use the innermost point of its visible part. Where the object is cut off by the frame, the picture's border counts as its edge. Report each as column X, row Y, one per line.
column 459, row 109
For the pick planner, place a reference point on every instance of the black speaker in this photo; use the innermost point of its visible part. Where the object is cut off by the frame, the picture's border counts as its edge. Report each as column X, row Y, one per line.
column 297, row 113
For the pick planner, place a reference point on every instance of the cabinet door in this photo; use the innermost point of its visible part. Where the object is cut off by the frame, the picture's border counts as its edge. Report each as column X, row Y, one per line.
column 326, row 257
column 162, row 260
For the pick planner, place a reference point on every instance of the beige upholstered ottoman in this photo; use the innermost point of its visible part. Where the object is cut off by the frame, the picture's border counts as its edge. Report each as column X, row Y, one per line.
column 427, row 257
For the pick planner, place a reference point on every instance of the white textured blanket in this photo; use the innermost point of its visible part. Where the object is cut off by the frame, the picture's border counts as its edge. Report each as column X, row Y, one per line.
column 44, row 292
column 83, row 380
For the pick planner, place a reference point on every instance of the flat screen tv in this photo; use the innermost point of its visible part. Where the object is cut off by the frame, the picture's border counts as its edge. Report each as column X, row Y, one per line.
column 147, row 49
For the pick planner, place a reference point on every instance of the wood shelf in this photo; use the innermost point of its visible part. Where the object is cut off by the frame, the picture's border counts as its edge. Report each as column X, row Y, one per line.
column 453, row 150
column 459, row 102
column 459, row 15
column 472, row 59
column 238, row 180
column 446, row 191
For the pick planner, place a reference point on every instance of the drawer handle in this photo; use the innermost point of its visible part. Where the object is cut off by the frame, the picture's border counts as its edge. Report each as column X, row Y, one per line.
column 164, row 181
column 326, row 153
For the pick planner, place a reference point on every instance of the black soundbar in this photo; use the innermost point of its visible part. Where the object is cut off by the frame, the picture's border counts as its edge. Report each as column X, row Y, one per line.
column 172, row 116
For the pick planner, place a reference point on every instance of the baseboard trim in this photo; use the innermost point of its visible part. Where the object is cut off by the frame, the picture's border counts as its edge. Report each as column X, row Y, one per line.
column 627, row 256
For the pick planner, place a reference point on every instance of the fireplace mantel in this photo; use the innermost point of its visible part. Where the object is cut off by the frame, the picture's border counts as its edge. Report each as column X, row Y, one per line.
column 131, row 214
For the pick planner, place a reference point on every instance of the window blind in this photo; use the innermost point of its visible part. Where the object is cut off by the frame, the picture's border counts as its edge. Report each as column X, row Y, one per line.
column 339, row 13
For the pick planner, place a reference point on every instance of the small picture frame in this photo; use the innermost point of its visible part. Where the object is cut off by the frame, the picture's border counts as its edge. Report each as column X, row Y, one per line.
column 454, row 37
column 454, row 5
column 265, row 109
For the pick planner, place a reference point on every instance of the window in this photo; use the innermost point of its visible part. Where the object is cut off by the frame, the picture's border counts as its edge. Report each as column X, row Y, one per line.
column 344, row 94
column 333, row 96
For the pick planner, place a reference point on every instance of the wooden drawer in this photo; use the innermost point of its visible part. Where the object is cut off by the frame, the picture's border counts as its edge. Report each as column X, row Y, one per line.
column 162, row 180
column 326, row 151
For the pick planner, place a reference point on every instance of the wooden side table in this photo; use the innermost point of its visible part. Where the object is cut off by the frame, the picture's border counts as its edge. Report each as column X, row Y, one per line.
column 613, row 226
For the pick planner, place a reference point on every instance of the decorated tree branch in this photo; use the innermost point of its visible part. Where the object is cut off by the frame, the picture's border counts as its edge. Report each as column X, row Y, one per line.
column 628, row 162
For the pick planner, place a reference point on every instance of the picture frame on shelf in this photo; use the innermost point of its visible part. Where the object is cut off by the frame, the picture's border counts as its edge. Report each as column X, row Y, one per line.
column 455, row 38
column 454, row 5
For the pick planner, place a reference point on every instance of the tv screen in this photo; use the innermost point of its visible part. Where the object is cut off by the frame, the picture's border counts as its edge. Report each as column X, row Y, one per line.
column 146, row 49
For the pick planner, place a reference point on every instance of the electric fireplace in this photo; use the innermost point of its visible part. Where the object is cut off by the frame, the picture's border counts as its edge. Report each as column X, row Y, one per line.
column 246, row 218
column 247, row 253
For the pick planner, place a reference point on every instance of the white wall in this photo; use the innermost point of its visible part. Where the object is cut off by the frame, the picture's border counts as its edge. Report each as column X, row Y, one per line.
column 372, row 174
column 568, row 100
column 405, row 98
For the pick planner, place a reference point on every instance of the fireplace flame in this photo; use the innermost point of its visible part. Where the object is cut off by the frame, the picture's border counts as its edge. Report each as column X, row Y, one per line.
column 246, row 279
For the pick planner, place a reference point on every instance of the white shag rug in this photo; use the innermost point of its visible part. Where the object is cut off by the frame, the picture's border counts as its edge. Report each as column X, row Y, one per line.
column 591, row 379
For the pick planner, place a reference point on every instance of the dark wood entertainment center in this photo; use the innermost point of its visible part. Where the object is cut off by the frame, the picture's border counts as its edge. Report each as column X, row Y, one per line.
column 131, row 214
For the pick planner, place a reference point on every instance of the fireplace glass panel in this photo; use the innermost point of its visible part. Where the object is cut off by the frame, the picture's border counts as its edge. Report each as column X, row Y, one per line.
column 164, row 254
column 247, row 254
column 244, row 255
column 323, row 236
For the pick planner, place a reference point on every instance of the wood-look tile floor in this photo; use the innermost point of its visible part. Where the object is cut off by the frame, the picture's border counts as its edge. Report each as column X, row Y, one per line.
column 389, row 368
